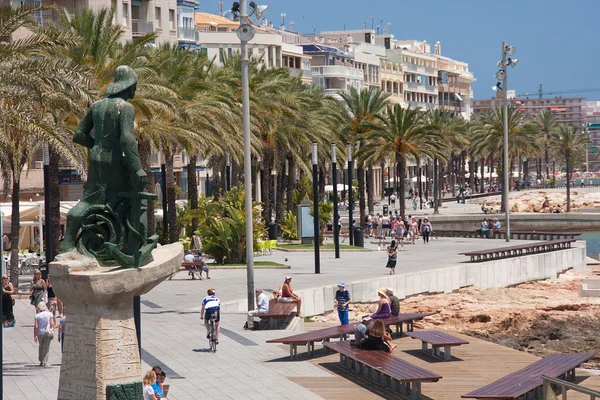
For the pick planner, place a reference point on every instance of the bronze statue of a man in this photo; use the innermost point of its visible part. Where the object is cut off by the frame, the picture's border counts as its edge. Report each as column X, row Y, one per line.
column 109, row 223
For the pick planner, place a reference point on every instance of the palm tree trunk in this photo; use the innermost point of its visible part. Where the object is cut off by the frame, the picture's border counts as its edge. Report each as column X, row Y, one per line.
column 370, row 189
column 362, row 203
column 171, row 194
column 15, row 223
column 291, row 184
column 402, row 170
column 436, row 184
column 321, row 184
column 482, row 183
column 145, row 151
column 280, row 191
column 193, row 189
column 267, row 187
column 54, row 202
column 568, row 159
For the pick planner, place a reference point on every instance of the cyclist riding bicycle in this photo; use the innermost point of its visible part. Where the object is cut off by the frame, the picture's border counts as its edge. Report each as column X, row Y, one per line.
column 210, row 306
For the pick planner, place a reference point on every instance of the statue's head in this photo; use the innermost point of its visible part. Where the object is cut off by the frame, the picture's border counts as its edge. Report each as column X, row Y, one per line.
column 125, row 81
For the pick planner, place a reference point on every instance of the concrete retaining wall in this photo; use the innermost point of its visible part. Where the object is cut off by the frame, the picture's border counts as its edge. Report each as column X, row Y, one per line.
column 521, row 221
column 484, row 275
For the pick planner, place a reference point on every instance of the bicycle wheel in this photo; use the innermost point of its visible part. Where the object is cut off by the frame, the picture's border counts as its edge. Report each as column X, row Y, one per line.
column 212, row 341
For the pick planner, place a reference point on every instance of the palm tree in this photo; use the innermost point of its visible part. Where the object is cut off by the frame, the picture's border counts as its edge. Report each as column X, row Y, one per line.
column 452, row 130
column 399, row 133
column 547, row 126
column 37, row 85
column 363, row 107
column 570, row 145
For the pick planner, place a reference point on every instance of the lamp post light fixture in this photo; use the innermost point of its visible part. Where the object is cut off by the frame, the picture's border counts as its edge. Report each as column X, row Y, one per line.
column 336, row 216
column 501, row 75
column 245, row 33
column 317, row 231
column 350, row 200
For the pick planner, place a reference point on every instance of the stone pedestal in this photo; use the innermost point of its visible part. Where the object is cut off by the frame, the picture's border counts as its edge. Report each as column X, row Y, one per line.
column 101, row 346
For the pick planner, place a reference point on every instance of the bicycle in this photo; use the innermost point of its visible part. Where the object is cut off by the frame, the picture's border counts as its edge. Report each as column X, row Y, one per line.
column 212, row 332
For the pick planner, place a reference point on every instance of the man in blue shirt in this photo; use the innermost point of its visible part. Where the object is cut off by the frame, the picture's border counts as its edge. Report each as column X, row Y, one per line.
column 211, row 305
column 342, row 300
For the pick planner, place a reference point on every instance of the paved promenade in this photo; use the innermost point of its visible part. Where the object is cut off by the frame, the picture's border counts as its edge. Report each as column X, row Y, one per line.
column 244, row 367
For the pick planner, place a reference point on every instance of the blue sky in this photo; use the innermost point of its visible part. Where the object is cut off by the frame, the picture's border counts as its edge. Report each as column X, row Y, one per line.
column 557, row 41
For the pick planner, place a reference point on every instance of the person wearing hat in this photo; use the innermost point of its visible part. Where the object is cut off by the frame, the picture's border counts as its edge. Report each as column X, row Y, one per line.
column 114, row 163
column 394, row 302
column 383, row 309
column 288, row 295
column 342, row 300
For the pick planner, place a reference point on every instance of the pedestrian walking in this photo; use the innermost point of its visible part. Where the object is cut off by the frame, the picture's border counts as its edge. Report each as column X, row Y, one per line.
column 43, row 332
column 392, row 253
column 426, row 230
column 342, row 301
column 8, row 316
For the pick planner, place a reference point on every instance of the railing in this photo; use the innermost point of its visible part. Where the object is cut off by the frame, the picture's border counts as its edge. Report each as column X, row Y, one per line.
column 139, row 27
column 564, row 385
column 186, row 33
column 334, row 92
column 306, row 73
column 337, row 70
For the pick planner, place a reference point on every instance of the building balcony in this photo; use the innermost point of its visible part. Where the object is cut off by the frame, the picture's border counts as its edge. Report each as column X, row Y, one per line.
column 422, row 106
column 187, row 34
column 420, row 87
column 410, row 67
column 140, row 27
column 337, row 71
column 306, row 73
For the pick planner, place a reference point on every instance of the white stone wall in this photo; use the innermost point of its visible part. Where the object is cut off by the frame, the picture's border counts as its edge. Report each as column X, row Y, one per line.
column 484, row 275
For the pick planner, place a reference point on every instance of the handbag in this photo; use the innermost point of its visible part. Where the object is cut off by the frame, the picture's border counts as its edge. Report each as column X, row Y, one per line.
column 13, row 302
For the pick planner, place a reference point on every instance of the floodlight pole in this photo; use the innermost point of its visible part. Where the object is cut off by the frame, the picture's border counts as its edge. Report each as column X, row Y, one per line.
column 47, row 212
column 336, row 216
column 247, row 161
column 1, row 305
column 228, row 171
column 317, row 231
column 505, row 166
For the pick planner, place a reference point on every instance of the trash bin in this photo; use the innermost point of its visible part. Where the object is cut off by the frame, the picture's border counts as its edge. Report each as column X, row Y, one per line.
column 272, row 231
column 359, row 237
column 385, row 209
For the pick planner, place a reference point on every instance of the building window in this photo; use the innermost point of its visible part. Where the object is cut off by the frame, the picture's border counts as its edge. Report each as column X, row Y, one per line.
column 172, row 19
column 157, row 17
column 125, row 21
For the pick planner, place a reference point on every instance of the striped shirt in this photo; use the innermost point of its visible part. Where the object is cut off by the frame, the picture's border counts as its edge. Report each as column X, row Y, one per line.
column 211, row 303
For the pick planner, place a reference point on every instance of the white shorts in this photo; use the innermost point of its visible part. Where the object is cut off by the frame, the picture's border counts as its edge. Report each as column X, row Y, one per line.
column 285, row 299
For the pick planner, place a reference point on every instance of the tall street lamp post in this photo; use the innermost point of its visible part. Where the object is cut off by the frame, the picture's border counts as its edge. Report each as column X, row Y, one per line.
column 2, row 265
column 228, row 171
column 317, row 236
column 245, row 33
column 47, row 211
column 336, row 216
column 507, row 61
column 350, row 200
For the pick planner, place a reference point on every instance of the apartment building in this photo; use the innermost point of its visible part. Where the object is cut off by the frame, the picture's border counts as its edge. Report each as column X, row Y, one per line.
column 334, row 69
column 590, row 111
column 567, row 110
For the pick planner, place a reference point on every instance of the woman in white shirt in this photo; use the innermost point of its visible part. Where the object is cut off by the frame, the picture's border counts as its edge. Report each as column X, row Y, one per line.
column 148, row 380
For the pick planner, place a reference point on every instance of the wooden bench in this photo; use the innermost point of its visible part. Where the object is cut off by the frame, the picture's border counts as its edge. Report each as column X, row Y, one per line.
column 437, row 340
column 342, row 332
column 529, row 379
column 519, row 250
column 192, row 267
column 279, row 313
column 390, row 371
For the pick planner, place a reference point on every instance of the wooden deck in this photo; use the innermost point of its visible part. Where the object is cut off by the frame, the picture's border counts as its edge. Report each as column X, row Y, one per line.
column 469, row 370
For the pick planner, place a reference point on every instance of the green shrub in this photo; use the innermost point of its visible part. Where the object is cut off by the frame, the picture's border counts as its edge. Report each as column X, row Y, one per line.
column 288, row 226
column 224, row 229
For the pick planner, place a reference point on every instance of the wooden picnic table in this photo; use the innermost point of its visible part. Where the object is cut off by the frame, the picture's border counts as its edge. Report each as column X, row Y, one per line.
column 437, row 339
column 529, row 379
column 519, row 250
column 384, row 368
column 342, row 332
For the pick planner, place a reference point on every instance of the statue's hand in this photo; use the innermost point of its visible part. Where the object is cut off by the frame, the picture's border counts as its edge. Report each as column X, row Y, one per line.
column 142, row 178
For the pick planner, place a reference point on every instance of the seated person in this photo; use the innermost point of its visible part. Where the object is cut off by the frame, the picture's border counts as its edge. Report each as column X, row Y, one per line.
column 378, row 338
column 204, row 266
column 383, row 308
column 262, row 307
column 394, row 302
column 288, row 295
column 189, row 257
column 546, row 205
column 361, row 332
column 495, row 227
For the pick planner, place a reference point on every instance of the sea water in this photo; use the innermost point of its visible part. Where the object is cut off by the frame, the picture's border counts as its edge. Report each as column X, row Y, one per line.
column 592, row 239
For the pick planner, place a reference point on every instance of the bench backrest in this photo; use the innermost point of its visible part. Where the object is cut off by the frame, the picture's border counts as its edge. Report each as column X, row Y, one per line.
column 279, row 309
column 384, row 362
